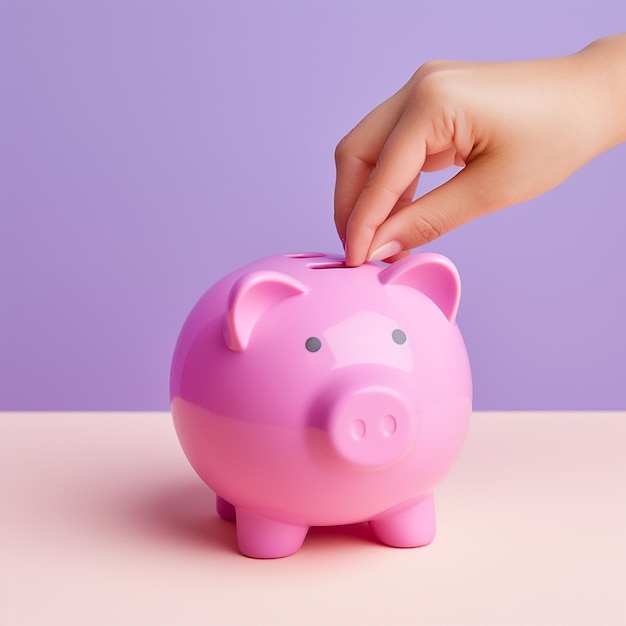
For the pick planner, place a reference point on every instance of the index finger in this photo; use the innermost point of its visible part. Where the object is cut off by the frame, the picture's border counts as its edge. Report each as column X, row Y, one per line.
column 399, row 163
column 357, row 153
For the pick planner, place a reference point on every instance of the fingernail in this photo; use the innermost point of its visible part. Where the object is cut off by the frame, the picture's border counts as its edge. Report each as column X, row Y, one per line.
column 385, row 251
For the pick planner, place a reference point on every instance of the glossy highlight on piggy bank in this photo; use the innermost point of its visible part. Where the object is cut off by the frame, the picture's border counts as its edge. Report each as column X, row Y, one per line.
column 306, row 393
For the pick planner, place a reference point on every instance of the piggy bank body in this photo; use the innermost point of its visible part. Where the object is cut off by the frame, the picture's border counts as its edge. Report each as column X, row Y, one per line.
column 306, row 393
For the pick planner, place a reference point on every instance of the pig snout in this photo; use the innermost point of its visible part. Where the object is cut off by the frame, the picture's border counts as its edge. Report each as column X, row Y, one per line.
column 371, row 426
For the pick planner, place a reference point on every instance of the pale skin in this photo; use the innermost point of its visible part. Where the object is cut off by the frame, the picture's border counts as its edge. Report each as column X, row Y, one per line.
column 517, row 129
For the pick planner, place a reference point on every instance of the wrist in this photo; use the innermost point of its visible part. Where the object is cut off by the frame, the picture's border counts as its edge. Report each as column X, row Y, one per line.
column 603, row 69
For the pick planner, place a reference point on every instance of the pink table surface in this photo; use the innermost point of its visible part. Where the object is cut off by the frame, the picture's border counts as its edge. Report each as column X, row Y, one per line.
column 103, row 522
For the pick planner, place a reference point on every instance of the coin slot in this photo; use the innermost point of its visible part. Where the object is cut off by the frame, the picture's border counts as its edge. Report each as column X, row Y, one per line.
column 327, row 265
column 306, row 255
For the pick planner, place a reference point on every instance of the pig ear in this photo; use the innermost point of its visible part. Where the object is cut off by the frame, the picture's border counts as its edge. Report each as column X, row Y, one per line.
column 250, row 297
column 432, row 274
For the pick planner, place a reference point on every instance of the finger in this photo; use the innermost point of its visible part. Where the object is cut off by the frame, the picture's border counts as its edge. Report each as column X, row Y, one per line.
column 405, row 199
column 407, row 196
column 461, row 199
column 352, row 174
column 398, row 166
column 357, row 154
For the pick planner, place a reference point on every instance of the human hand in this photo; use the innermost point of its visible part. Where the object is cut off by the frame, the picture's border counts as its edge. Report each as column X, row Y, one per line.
column 518, row 129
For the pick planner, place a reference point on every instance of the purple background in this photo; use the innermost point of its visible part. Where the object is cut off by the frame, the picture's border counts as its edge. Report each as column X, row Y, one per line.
column 147, row 148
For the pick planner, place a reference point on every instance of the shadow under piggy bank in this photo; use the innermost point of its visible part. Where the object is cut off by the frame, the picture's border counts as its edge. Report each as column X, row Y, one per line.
column 184, row 515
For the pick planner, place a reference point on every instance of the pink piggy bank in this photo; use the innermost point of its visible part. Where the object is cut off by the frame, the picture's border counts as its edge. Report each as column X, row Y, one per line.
column 306, row 393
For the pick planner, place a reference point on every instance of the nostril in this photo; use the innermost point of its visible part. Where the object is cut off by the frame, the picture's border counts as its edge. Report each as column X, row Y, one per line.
column 358, row 429
column 388, row 425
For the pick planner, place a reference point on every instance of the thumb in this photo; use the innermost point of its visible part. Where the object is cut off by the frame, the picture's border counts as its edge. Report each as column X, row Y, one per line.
column 475, row 191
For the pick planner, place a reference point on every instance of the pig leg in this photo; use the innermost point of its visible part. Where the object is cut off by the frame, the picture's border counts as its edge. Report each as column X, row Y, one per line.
column 263, row 538
column 407, row 528
column 225, row 509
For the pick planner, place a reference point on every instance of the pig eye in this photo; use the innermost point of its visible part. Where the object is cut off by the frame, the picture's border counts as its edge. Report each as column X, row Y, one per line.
column 399, row 336
column 313, row 344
